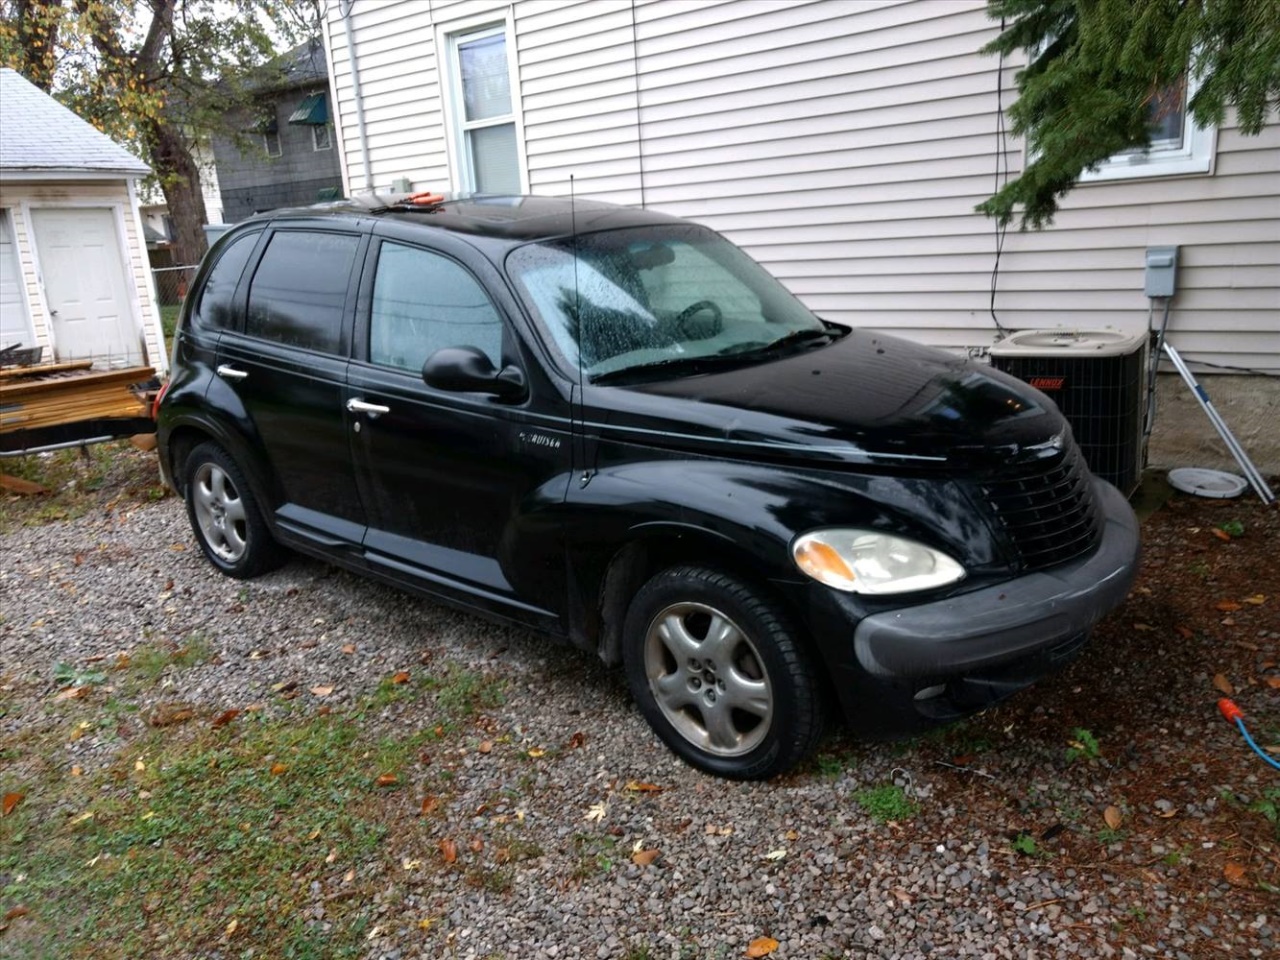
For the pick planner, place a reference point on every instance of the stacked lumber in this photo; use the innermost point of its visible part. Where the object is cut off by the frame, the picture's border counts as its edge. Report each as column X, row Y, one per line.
column 53, row 397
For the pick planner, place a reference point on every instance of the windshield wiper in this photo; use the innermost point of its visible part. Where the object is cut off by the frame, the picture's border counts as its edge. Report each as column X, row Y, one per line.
column 794, row 338
column 671, row 365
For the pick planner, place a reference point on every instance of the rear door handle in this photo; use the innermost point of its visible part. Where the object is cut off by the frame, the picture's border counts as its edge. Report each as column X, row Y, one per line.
column 228, row 372
column 372, row 409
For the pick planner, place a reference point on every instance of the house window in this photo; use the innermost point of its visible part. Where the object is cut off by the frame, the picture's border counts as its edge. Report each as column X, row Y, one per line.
column 484, row 127
column 271, row 143
column 1178, row 145
column 320, row 137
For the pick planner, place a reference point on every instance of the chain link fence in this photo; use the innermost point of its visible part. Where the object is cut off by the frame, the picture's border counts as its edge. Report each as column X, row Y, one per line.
column 172, row 284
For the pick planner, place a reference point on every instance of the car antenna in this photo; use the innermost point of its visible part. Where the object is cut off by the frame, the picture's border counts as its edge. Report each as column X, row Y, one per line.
column 577, row 320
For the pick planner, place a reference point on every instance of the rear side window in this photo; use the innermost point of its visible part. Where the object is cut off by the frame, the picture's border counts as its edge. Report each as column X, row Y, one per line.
column 213, row 310
column 423, row 302
column 300, row 288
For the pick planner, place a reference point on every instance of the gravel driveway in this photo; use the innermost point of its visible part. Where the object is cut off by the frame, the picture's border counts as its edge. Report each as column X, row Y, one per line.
column 526, row 828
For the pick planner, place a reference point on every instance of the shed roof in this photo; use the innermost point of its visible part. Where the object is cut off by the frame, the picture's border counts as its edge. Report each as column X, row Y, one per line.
column 38, row 134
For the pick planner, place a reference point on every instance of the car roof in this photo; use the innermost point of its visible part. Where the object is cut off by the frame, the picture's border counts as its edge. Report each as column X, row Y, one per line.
column 514, row 218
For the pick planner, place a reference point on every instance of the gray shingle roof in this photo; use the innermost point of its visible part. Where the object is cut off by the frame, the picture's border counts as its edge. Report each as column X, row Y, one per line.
column 39, row 134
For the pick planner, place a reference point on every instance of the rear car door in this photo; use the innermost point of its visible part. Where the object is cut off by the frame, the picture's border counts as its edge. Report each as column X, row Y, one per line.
column 453, row 480
column 287, row 365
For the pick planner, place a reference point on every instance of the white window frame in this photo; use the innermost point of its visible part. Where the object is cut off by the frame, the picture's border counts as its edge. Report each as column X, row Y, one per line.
column 448, row 36
column 1194, row 154
column 315, row 137
column 266, row 144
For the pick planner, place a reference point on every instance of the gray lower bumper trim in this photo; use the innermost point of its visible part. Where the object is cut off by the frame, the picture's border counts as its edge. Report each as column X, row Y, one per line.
column 1010, row 620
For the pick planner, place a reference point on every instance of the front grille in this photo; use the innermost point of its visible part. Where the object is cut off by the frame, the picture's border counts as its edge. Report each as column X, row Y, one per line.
column 1046, row 508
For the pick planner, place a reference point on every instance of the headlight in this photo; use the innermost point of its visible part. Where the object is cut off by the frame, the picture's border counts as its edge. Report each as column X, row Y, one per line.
column 864, row 561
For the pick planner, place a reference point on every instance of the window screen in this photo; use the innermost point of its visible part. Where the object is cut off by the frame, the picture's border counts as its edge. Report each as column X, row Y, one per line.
column 213, row 310
column 487, row 123
column 300, row 288
column 423, row 302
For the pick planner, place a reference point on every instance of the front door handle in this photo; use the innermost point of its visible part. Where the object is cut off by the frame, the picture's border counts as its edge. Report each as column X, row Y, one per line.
column 228, row 372
column 372, row 409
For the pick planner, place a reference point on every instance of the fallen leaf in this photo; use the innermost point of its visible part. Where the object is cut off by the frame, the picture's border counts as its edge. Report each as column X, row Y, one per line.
column 232, row 926
column 322, row 691
column 1220, row 533
column 1113, row 817
column 15, row 913
column 10, row 801
column 775, row 854
column 348, row 648
column 577, row 740
column 476, row 844
column 902, row 895
column 387, row 780
column 1234, row 872
column 139, row 766
column 349, row 875
column 1273, row 683
column 1143, row 627
column 640, row 787
column 792, row 835
column 222, row 719
column 277, row 769
column 285, row 686
column 177, row 547
column 333, row 855
column 761, row 947
column 642, row 858
column 1186, row 633
column 448, row 850
column 1256, row 600
column 410, row 864
column 1227, row 606
column 72, row 693
column 596, row 812
column 401, row 677
column 1221, row 682
column 167, row 715
column 536, row 752
column 429, row 804
column 486, row 746
column 76, row 771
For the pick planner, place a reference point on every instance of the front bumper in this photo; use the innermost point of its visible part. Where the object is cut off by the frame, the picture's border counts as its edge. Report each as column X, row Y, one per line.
column 938, row 661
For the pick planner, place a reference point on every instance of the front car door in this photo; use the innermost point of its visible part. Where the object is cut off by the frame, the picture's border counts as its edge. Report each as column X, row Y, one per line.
column 287, row 365
column 455, row 482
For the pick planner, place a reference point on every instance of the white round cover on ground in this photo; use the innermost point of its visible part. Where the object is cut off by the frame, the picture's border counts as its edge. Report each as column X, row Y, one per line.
column 1206, row 483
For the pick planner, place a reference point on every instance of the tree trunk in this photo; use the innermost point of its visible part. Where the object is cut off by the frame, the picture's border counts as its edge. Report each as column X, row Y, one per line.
column 179, row 178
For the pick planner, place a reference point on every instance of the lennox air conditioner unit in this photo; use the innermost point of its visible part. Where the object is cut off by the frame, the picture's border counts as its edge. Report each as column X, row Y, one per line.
column 1097, row 379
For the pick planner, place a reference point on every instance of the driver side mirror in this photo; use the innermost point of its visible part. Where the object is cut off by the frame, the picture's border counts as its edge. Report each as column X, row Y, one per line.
column 469, row 370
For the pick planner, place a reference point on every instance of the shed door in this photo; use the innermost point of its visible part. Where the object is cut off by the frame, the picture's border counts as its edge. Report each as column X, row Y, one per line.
column 15, row 327
column 85, row 286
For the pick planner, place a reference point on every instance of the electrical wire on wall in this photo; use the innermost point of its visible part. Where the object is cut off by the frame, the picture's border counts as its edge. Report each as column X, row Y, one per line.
column 635, row 72
column 1002, row 154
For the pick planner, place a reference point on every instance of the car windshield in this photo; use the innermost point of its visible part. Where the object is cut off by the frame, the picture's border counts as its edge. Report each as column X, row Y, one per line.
column 669, row 299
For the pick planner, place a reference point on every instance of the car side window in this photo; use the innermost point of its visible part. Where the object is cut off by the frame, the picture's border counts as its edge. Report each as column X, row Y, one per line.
column 213, row 309
column 423, row 301
column 300, row 287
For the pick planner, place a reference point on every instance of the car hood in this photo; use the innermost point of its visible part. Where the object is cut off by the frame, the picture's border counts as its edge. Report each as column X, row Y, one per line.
column 865, row 398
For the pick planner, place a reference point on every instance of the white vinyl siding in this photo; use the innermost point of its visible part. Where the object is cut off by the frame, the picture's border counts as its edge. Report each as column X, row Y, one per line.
column 845, row 145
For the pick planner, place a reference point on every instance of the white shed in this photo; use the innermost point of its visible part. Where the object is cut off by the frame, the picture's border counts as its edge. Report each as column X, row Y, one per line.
column 74, row 277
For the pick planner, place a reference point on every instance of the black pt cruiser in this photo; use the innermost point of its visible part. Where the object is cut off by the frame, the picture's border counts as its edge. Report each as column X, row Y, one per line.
column 612, row 426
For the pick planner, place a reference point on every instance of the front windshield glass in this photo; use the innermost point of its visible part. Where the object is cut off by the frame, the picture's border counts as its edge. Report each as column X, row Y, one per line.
column 655, row 297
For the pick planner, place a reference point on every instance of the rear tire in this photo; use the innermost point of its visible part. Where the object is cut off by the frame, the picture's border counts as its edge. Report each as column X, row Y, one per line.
column 721, row 675
column 225, row 516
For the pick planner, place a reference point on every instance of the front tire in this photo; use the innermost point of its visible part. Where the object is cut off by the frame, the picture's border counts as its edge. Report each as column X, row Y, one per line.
column 225, row 516
column 721, row 675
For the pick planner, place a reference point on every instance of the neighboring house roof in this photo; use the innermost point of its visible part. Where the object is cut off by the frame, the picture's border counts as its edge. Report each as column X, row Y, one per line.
column 38, row 134
column 302, row 66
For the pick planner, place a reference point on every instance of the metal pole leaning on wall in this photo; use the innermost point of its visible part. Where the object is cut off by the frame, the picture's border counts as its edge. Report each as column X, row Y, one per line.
column 1250, row 471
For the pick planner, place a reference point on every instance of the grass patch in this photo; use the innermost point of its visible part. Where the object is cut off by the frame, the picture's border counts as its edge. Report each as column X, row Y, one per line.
column 150, row 662
column 189, row 832
column 1083, row 746
column 79, row 481
column 887, row 802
